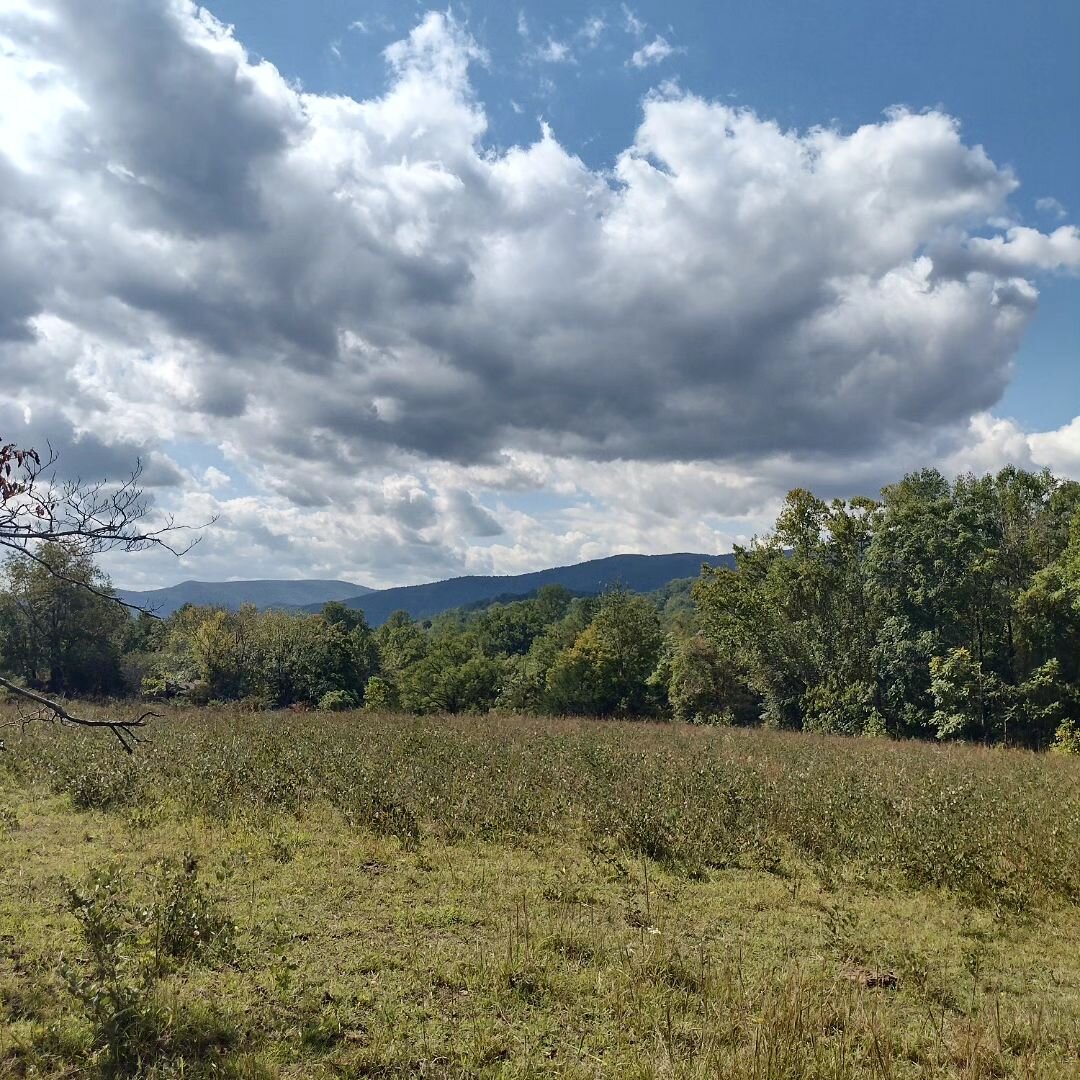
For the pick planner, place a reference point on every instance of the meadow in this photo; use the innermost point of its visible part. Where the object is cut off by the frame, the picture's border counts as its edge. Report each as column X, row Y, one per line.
column 296, row 894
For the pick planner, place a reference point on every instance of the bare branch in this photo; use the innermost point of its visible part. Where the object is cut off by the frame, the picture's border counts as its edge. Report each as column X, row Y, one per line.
column 86, row 518
column 124, row 730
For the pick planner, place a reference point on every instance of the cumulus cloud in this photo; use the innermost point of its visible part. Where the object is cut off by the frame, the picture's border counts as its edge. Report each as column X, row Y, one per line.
column 389, row 328
column 1023, row 250
column 656, row 52
column 993, row 442
column 1059, row 449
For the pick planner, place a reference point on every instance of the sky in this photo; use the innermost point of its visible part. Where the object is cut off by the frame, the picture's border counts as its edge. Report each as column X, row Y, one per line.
column 393, row 293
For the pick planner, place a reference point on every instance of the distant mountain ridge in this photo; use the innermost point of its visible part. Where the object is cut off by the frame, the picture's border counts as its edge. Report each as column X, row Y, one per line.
column 267, row 593
column 638, row 573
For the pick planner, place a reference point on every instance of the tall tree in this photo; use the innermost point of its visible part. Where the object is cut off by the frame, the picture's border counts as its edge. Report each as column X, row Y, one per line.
column 59, row 629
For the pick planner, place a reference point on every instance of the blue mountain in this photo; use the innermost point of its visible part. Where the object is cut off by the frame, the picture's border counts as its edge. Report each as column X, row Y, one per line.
column 638, row 573
column 232, row 594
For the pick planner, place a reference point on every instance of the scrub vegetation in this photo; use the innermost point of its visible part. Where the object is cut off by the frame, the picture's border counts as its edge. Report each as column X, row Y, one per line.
column 305, row 894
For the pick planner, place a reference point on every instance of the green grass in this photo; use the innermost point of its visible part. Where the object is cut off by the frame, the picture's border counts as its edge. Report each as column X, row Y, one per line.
column 297, row 895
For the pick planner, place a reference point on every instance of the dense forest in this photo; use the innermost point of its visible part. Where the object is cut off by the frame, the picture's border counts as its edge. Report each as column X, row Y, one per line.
column 943, row 609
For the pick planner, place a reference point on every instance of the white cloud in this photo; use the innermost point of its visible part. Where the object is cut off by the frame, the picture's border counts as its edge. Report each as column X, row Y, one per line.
column 215, row 479
column 631, row 23
column 1058, row 450
column 1022, row 250
column 655, row 52
column 421, row 355
column 555, row 52
column 592, row 30
column 993, row 442
column 1049, row 205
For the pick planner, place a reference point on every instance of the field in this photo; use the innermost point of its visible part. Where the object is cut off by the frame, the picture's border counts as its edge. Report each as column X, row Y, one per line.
column 309, row 895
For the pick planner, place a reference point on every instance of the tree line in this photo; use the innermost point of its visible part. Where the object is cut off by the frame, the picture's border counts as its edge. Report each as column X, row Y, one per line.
column 944, row 609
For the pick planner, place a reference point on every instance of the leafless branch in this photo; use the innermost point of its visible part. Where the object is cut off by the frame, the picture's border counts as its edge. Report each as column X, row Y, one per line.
column 86, row 518
column 50, row 710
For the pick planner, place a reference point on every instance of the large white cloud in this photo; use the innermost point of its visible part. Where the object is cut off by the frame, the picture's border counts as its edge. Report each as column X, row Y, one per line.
column 376, row 317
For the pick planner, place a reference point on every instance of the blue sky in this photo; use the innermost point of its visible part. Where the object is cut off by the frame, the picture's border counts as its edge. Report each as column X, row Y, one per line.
column 1008, row 71
column 393, row 292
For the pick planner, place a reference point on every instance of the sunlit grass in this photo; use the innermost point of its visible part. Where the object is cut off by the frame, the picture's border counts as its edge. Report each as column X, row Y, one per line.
column 523, row 897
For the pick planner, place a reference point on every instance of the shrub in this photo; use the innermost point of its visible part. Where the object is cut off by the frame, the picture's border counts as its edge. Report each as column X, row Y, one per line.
column 110, row 984
column 185, row 922
column 1066, row 738
column 127, row 949
column 988, row 827
column 100, row 781
column 380, row 695
column 199, row 693
column 337, row 701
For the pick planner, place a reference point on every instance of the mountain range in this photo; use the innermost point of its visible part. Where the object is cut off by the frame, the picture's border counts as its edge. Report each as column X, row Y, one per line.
column 232, row 594
column 638, row 573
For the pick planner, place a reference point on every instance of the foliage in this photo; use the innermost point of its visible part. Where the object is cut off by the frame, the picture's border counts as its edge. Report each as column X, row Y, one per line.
column 129, row 948
column 607, row 669
column 702, row 688
column 380, row 695
column 1067, row 738
column 337, row 701
column 272, row 656
column 552, row 652
column 452, row 675
column 990, row 827
column 945, row 609
column 58, row 629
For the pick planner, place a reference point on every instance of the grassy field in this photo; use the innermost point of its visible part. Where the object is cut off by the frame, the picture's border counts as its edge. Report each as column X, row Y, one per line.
column 305, row 895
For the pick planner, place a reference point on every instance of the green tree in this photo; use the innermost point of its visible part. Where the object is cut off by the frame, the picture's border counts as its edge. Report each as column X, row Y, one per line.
column 951, row 565
column 453, row 675
column 84, row 520
column 945, row 609
column 703, row 688
column 401, row 642
column 795, row 620
column 607, row 669
column 58, row 629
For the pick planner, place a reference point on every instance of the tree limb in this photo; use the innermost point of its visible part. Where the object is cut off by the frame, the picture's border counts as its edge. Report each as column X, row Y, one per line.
column 87, row 518
column 124, row 730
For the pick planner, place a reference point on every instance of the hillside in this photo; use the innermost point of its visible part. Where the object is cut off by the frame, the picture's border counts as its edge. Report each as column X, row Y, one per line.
column 232, row 594
column 638, row 573
column 671, row 599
